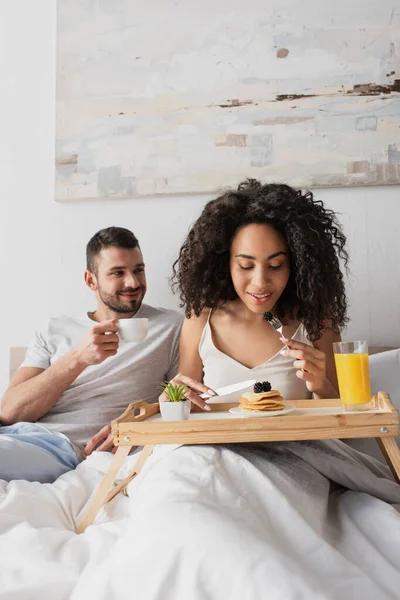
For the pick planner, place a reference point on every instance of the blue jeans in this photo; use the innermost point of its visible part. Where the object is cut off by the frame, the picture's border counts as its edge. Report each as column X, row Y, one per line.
column 30, row 451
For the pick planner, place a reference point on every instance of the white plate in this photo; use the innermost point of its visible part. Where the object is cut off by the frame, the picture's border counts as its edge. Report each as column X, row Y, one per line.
column 230, row 393
column 238, row 412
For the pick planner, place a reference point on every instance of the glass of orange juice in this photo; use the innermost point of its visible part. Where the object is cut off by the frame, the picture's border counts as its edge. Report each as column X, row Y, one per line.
column 352, row 367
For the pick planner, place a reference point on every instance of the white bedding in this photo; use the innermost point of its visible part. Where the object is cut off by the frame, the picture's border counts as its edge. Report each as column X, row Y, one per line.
column 241, row 522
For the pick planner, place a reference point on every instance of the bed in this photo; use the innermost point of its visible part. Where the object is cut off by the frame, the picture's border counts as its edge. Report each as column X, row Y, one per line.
column 266, row 521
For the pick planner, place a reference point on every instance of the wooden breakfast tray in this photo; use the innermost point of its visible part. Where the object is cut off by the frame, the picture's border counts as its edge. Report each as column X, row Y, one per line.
column 141, row 425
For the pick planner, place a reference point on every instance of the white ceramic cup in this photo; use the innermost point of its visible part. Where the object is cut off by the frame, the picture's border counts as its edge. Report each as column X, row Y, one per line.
column 133, row 330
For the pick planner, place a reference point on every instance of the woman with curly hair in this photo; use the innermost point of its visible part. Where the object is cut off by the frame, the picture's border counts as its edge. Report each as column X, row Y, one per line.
column 280, row 519
column 258, row 252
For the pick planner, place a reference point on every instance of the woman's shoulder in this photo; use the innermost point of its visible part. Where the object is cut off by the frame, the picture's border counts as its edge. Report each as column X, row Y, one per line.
column 193, row 331
column 328, row 335
column 293, row 328
column 195, row 324
column 225, row 313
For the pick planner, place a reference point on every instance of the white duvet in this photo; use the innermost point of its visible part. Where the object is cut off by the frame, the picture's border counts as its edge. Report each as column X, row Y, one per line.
column 243, row 522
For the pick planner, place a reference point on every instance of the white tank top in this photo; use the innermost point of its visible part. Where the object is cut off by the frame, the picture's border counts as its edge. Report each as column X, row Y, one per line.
column 220, row 369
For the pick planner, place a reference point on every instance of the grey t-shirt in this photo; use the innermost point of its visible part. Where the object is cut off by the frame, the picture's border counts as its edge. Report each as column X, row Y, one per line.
column 102, row 392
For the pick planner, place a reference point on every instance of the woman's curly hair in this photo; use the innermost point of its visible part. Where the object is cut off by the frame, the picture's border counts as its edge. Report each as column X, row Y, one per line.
column 315, row 291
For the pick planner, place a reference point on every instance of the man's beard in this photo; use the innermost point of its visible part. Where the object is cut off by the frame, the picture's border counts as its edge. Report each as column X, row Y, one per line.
column 112, row 302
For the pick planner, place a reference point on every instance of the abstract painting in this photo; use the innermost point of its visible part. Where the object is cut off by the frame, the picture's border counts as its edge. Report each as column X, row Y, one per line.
column 174, row 97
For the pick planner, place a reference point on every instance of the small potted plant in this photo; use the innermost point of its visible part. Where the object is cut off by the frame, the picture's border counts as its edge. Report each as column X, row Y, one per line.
column 176, row 407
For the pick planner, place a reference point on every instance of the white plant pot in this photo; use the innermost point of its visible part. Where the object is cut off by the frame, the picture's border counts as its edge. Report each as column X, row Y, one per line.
column 175, row 411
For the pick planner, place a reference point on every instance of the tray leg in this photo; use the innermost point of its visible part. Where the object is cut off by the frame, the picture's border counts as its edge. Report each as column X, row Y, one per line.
column 391, row 452
column 139, row 464
column 105, row 486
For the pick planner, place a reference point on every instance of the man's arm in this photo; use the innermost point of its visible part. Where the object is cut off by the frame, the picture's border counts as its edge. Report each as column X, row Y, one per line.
column 103, row 441
column 34, row 391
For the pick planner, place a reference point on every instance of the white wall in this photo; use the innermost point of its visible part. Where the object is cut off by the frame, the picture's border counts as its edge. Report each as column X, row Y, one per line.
column 42, row 243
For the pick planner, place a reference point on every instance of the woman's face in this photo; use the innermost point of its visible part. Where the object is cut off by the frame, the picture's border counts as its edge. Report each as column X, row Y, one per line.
column 259, row 266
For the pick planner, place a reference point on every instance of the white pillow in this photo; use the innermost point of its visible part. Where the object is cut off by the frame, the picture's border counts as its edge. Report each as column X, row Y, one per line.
column 385, row 376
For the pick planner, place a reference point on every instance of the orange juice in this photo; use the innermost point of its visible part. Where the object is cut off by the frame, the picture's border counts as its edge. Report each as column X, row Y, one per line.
column 353, row 377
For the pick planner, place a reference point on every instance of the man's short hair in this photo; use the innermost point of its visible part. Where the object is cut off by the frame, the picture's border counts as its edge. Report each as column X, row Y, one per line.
column 111, row 236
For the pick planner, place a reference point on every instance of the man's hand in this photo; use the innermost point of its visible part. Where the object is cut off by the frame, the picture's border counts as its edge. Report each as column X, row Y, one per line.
column 99, row 343
column 103, row 440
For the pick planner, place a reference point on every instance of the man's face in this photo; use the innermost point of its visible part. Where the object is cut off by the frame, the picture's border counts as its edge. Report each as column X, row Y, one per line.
column 120, row 279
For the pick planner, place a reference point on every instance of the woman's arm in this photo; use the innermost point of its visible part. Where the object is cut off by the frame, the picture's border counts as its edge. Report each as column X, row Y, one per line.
column 190, row 363
column 325, row 346
column 316, row 364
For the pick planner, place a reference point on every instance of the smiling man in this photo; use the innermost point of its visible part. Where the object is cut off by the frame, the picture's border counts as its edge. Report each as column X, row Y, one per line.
column 77, row 376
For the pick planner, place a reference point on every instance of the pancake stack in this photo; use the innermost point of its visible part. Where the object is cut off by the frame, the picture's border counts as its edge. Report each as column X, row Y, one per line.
column 261, row 402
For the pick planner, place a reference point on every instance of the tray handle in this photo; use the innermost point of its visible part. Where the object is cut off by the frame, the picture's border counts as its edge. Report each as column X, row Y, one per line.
column 137, row 411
